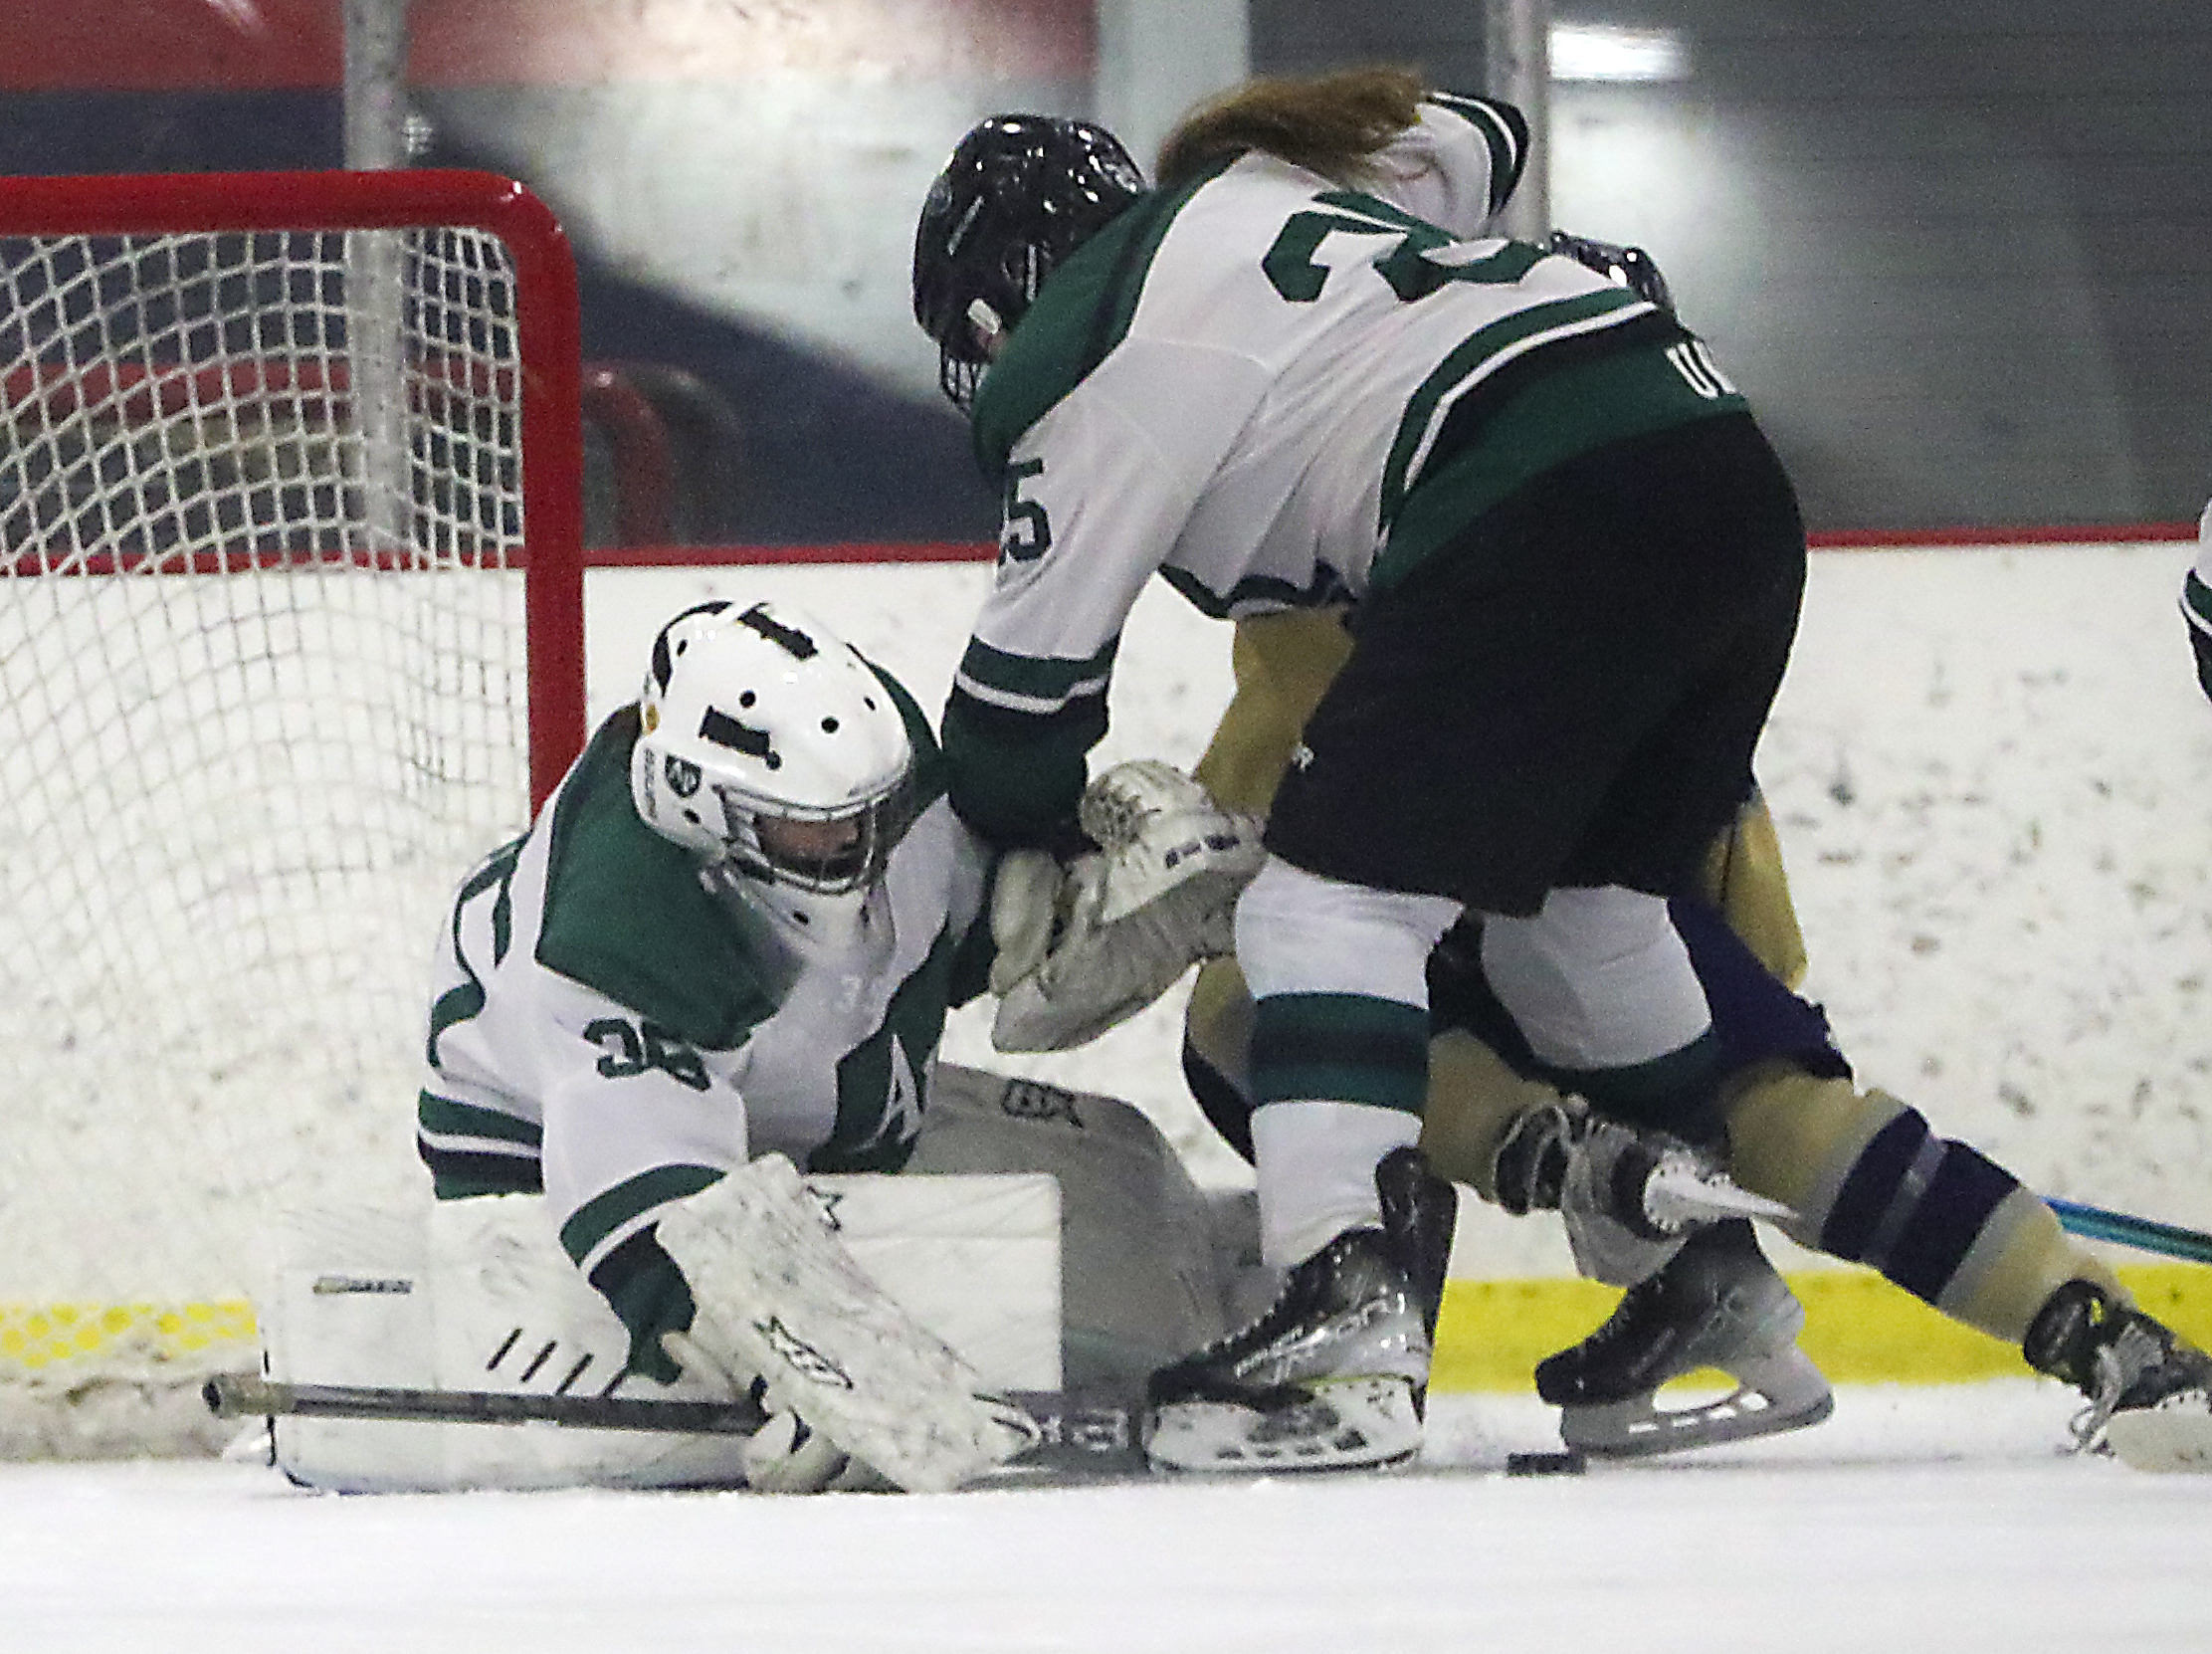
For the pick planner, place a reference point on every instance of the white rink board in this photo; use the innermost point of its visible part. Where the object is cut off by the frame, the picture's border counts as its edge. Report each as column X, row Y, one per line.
column 1993, row 773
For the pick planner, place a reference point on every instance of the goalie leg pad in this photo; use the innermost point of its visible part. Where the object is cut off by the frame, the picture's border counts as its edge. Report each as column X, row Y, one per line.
column 781, row 1297
column 471, row 1295
column 1149, row 1275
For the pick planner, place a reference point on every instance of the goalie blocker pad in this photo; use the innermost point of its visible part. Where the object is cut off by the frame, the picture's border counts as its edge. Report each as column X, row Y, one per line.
column 478, row 1294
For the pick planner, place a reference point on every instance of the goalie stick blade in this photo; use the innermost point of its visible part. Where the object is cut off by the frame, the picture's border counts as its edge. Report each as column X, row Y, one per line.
column 1077, row 1437
column 1080, row 1438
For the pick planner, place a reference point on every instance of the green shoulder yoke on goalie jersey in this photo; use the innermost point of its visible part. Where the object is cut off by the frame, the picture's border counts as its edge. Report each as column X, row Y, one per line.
column 626, row 913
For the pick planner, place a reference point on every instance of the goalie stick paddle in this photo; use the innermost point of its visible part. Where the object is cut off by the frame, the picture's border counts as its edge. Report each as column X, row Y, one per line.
column 2126, row 1229
column 1079, row 1438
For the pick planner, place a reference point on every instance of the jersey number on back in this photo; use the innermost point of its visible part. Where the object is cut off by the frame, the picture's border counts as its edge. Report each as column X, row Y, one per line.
column 1420, row 259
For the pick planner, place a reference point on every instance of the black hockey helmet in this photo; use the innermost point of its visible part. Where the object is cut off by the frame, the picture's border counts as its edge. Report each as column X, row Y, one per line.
column 1019, row 195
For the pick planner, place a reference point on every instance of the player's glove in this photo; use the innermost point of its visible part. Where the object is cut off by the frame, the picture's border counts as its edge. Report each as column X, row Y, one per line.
column 1085, row 947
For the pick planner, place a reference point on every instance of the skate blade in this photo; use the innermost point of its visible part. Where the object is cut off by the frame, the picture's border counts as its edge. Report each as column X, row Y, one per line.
column 1348, row 1424
column 2175, row 1435
column 1774, row 1394
column 1682, row 1196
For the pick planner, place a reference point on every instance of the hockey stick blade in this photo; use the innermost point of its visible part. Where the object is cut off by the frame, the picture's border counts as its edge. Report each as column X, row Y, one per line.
column 2125, row 1229
column 1080, row 1438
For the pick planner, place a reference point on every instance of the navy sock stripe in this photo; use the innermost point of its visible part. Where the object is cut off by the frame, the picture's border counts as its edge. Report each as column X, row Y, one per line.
column 1854, row 1219
column 1946, row 1221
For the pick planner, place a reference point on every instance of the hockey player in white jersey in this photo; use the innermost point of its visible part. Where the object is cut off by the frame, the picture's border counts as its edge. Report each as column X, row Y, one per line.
column 726, row 946
column 1281, row 379
column 2196, row 601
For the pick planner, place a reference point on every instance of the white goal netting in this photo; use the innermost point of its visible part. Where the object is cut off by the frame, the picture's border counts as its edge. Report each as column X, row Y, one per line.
column 263, row 684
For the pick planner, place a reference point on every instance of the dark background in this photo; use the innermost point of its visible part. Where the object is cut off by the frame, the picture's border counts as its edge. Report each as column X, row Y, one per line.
column 1963, row 264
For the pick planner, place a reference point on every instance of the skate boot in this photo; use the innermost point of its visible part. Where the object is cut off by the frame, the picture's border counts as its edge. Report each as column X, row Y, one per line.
column 1629, row 1195
column 1717, row 1302
column 1335, row 1375
column 2149, row 1393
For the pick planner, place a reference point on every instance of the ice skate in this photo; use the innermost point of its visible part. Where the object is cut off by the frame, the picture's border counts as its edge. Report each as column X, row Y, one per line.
column 2149, row 1393
column 1717, row 1302
column 1335, row 1375
column 1629, row 1195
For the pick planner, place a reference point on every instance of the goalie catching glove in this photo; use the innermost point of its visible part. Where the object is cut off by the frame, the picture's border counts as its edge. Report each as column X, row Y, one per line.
column 1085, row 947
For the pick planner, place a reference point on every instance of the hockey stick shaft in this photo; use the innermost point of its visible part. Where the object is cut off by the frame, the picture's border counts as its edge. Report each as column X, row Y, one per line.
column 242, row 1395
column 1080, row 1438
column 2126, row 1229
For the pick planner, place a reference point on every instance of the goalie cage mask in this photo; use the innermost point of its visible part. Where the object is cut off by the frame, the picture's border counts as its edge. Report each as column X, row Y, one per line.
column 770, row 749
column 1020, row 194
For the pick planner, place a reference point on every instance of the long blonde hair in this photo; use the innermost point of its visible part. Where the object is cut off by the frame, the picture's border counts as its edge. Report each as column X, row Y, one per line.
column 1327, row 123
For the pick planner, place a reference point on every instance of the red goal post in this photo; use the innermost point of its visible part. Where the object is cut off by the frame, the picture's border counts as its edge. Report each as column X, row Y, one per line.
column 290, row 631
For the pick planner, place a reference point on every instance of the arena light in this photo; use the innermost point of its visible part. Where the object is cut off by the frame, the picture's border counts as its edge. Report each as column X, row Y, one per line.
column 1595, row 51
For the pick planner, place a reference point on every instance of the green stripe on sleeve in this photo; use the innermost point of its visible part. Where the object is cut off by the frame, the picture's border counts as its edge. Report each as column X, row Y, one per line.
column 1504, row 132
column 1033, row 686
column 2196, row 601
column 442, row 1117
column 611, row 1211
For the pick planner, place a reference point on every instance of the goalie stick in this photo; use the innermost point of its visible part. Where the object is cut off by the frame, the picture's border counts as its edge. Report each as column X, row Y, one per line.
column 2123, row 1229
column 1079, row 1438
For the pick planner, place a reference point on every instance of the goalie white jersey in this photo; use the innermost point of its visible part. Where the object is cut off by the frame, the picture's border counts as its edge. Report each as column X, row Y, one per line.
column 1277, row 392
column 608, row 1029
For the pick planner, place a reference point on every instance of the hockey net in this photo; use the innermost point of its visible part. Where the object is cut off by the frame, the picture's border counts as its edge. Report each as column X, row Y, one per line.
column 275, row 671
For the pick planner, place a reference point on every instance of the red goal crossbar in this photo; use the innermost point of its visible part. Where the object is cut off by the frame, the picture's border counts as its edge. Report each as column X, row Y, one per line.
column 546, row 325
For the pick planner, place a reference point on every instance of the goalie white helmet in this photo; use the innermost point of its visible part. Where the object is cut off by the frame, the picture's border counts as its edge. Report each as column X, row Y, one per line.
column 770, row 747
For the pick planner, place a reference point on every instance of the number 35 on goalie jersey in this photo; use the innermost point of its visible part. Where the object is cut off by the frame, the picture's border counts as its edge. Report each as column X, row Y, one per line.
column 607, row 1031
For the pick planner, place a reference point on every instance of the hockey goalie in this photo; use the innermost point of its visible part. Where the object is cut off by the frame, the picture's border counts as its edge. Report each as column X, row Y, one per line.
column 683, row 1031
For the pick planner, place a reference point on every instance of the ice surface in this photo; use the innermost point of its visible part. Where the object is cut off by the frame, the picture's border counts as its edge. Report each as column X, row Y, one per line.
column 1914, row 1520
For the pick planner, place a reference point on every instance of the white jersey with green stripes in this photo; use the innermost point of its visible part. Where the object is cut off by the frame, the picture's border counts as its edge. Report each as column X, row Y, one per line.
column 1275, row 391
column 607, row 1027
